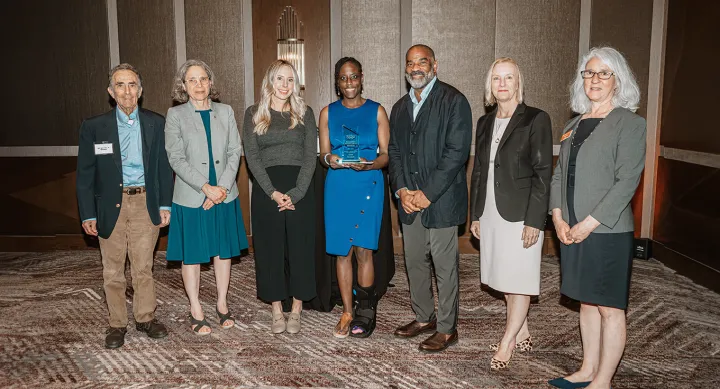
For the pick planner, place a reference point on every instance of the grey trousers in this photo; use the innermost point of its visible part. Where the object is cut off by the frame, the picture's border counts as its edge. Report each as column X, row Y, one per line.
column 425, row 248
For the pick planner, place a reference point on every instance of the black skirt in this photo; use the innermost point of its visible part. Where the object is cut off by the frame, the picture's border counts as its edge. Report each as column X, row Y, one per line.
column 596, row 270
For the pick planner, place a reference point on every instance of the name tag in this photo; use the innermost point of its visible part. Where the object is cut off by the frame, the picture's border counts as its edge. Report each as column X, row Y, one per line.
column 103, row 148
column 565, row 135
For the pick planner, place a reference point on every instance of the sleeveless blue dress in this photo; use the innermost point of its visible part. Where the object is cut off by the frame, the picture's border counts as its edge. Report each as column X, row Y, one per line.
column 353, row 199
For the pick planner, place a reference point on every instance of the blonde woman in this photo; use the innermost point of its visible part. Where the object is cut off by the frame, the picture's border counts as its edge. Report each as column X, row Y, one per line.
column 510, row 193
column 280, row 138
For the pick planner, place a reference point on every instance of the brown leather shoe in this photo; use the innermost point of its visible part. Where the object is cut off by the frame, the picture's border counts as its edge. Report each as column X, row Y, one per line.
column 438, row 342
column 414, row 328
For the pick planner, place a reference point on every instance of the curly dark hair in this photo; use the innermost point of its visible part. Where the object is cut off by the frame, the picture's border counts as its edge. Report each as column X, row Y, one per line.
column 338, row 65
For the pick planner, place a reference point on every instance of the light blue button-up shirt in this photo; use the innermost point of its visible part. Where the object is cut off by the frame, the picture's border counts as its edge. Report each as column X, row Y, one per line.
column 416, row 107
column 423, row 96
column 130, row 136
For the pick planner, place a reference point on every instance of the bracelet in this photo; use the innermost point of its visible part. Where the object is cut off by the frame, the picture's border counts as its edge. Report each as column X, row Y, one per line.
column 325, row 159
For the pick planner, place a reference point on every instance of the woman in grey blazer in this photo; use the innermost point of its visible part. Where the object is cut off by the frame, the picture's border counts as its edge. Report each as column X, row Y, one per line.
column 602, row 156
column 203, row 146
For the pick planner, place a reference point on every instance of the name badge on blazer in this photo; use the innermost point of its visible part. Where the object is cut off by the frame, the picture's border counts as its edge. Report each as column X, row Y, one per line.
column 103, row 148
column 565, row 135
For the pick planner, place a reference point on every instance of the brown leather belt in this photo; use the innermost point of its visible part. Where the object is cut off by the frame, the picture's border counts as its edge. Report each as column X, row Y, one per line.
column 133, row 190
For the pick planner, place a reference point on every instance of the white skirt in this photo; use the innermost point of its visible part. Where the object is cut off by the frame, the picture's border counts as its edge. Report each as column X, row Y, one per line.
column 504, row 264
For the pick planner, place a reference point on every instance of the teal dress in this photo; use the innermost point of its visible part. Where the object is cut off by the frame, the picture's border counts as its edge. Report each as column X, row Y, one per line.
column 196, row 235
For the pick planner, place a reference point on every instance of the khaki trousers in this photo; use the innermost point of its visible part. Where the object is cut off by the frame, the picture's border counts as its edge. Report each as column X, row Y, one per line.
column 134, row 236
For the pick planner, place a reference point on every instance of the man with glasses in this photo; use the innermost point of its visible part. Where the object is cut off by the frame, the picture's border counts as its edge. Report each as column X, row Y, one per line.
column 124, row 191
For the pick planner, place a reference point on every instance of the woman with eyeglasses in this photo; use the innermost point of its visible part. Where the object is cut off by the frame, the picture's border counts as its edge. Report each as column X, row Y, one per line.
column 602, row 156
column 281, row 152
column 203, row 146
column 354, row 194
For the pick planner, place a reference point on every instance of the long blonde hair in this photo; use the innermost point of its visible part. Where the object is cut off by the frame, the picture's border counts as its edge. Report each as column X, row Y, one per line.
column 262, row 117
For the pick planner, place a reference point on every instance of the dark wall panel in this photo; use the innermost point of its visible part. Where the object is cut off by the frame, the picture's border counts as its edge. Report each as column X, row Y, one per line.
column 146, row 31
column 542, row 36
column 315, row 15
column 687, row 215
column 626, row 26
column 692, row 32
column 58, row 72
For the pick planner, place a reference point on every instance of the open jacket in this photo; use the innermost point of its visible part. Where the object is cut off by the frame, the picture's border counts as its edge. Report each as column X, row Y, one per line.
column 430, row 152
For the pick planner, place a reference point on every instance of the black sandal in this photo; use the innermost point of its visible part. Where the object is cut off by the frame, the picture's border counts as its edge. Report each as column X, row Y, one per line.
column 365, row 311
column 225, row 317
column 198, row 325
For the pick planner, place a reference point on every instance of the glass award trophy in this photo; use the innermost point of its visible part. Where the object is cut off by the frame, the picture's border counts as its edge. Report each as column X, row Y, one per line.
column 351, row 145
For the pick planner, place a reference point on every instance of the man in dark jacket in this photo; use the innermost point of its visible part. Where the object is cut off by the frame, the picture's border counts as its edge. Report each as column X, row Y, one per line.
column 431, row 132
column 124, row 191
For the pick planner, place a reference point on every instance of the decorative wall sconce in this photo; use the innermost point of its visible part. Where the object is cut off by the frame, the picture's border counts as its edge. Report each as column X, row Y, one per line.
column 290, row 46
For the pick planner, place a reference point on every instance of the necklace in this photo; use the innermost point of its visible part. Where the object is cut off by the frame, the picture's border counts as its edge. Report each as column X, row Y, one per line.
column 496, row 130
column 572, row 142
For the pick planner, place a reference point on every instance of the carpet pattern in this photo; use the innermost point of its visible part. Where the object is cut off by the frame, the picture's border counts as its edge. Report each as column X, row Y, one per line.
column 53, row 317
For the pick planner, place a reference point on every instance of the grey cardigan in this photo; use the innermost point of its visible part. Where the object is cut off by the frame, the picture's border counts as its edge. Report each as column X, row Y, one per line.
column 187, row 149
column 608, row 169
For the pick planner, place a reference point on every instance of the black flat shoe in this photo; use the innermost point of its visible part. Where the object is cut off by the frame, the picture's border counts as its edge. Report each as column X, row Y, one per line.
column 115, row 337
column 152, row 328
column 562, row 383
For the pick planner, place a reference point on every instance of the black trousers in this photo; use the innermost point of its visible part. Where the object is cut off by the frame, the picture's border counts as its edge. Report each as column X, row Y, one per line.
column 283, row 242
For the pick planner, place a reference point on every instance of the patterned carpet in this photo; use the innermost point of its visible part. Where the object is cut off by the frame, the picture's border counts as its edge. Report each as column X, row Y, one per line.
column 52, row 318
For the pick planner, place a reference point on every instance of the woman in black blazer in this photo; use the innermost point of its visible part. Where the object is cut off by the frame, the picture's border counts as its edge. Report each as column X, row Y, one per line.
column 509, row 202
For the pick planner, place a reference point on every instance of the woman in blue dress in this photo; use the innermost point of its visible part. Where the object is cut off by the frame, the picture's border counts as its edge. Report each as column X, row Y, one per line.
column 203, row 146
column 354, row 193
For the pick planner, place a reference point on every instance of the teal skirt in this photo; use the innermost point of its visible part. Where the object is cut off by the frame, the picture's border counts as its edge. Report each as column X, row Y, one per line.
column 196, row 235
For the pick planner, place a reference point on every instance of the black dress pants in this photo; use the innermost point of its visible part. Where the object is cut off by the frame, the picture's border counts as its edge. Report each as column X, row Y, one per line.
column 283, row 242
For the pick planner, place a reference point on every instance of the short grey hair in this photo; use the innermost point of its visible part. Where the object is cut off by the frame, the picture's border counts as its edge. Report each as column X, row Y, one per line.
column 178, row 92
column 627, row 92
column 123, row 66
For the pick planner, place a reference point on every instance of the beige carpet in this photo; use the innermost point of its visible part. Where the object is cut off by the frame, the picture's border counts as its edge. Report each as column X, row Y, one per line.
column 52, row 319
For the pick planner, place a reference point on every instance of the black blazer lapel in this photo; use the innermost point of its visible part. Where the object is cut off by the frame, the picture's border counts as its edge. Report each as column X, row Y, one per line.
column 514, row 120
column 426, row 106
column 111, row 130
column 487, row 130
column 147, row 127
column 409, row 104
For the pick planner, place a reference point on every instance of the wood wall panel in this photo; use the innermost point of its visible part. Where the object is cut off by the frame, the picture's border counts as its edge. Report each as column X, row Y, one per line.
column 215, row 35
column 692, row 31
column 626, row 26
column 315, row 15
column 58, row 58
column 542, row 36
column 146, row 34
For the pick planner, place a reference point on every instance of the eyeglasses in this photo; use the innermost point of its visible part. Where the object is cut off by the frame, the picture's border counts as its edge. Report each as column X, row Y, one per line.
column 197, row 81
column 601, row 75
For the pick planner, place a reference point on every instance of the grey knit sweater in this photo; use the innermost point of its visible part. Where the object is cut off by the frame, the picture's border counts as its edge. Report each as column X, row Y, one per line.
column 281, row 146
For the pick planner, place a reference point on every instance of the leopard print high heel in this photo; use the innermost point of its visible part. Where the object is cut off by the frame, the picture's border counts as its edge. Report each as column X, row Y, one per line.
column 524, row 346
column 496, row 364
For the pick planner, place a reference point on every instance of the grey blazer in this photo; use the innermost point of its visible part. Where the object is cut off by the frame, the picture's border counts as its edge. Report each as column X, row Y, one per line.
column 187, row 149
column 607, row 172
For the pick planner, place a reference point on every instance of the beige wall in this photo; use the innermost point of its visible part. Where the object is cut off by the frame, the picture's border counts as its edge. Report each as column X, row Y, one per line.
column 371, row 33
